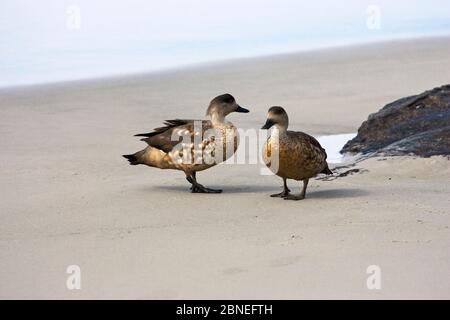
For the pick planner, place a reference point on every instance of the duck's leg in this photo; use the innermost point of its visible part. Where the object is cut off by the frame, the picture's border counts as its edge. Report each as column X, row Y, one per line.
column 192, row 188
column 198, row 188
column 285, row 191
column 302, row 194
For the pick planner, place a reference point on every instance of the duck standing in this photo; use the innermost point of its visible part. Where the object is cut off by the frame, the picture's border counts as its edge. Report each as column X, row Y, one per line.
column 298, row 155
column 204, row 144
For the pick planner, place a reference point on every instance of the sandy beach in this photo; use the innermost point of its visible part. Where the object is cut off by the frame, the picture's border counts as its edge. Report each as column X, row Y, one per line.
column 69, row 198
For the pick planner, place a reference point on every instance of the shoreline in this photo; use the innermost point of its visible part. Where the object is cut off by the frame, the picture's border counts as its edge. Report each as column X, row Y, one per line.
column 324, row 49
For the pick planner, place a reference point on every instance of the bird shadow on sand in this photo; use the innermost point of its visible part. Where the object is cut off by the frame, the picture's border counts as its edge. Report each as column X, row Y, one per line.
column 266, row 190
column 336, row 193
column 226, row 189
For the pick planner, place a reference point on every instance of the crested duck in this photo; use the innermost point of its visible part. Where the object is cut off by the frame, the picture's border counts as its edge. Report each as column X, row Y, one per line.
column 204, row 144
column 297, row 155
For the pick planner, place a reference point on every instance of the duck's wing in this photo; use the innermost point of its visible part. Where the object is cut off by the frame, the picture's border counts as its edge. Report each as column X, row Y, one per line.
column 308, row 139
column 313, row 141
column 171, row 134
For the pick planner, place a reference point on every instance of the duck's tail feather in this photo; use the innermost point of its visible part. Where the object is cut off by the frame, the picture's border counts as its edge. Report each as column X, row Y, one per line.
column 149, row 156
column 327, row 170
column 133, row 159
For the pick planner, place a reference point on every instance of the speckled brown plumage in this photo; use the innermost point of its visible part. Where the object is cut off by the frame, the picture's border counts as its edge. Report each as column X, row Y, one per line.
column 300, row 155
column 198, row 153
column 292, row 155
column 192, row 145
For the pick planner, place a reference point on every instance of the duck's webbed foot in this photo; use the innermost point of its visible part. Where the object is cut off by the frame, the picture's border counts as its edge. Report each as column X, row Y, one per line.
column 198, row 188
column 302, row 194
column 284, row 193
column 193, row 189
column 203, row 189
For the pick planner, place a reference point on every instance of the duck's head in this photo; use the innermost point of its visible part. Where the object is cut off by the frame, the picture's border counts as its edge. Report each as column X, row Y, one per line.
column 223, row 105
column 278, row 117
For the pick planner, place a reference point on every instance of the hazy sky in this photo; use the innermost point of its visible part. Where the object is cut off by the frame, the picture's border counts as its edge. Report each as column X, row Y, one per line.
column 51, row 40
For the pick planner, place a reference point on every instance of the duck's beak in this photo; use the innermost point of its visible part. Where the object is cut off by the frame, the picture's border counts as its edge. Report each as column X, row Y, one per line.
column 242, row 110
column 268, row 125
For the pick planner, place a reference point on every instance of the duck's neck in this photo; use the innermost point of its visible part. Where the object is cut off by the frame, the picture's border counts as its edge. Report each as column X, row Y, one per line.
column 217, row 119
column 279, row 131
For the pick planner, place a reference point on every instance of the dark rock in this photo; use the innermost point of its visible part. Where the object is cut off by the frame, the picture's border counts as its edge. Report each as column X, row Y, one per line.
column 426, row 144
column 418, row 125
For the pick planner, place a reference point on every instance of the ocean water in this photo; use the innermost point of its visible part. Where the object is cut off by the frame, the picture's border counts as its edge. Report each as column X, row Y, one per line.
column 333, row 144
column 49, row 41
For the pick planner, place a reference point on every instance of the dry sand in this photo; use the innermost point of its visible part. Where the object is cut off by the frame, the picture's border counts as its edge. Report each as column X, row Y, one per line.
column 68, row 198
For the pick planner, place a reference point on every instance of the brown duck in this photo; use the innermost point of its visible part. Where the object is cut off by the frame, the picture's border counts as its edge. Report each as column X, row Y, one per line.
column 291, row 154
column 192, row 145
